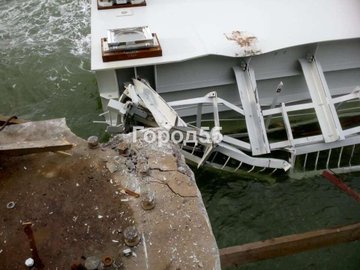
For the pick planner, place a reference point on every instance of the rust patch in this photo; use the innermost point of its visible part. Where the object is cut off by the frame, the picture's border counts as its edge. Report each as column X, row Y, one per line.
column 242, row 38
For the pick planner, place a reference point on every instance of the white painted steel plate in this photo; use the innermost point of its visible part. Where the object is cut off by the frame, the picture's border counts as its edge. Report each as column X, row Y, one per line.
column 193, row 28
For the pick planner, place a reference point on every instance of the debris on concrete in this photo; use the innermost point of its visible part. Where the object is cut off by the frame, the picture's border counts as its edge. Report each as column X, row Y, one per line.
column 123, row 148
column 29, row 262
column 179, row 218
column 10, row 205
column 132, row 193
column 73, row 224
column 93, row 142
column 92, row 263
column 127, row 252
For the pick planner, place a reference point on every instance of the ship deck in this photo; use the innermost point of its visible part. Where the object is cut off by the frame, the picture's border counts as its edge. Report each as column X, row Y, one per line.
column 192, row 29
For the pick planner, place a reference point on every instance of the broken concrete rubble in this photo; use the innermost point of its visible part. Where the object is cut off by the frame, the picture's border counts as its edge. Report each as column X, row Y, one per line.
column 81, row 204
column 176, row 233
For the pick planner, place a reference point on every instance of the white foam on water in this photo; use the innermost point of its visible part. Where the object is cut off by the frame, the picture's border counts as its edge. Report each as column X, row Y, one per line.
column 44, row 62
column 44, row 26
column 82, row 46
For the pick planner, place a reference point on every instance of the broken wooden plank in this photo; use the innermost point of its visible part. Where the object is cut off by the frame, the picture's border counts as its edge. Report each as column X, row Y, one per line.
column 287, row 245
column 31, row 147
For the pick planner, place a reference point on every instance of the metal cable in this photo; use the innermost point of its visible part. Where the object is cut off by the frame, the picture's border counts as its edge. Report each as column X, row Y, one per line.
column 8, row 121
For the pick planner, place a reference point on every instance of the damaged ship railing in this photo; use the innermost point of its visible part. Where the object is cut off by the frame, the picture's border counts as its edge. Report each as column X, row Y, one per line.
column 310, row 154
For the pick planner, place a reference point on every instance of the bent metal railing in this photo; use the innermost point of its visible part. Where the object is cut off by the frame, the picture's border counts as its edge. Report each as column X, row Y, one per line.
column 299, row 149
column 300, row 156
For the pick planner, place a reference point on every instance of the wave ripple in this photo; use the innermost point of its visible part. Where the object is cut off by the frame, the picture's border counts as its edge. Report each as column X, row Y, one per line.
column 45, row 25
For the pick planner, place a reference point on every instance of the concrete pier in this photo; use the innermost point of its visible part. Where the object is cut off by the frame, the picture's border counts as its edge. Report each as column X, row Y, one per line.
column 129, row 205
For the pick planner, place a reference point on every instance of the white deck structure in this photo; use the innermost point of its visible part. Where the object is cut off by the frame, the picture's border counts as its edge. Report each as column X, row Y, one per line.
column 190, row 29
column 244, row 51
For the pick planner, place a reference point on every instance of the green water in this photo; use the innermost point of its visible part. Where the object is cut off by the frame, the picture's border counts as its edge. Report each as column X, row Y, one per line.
column 247, row 210
column 45, row 62
column 44, row 73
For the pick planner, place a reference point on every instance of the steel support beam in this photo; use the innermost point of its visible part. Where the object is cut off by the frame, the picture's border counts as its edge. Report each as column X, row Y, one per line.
column 274, row 103
column 315, row 147
column 322, row 100
column 287, row 125
column 246, row 84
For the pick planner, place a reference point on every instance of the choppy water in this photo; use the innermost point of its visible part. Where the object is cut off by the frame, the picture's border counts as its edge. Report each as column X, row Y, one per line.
column 44, row 73
column 45, row 62
column 246, row 210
